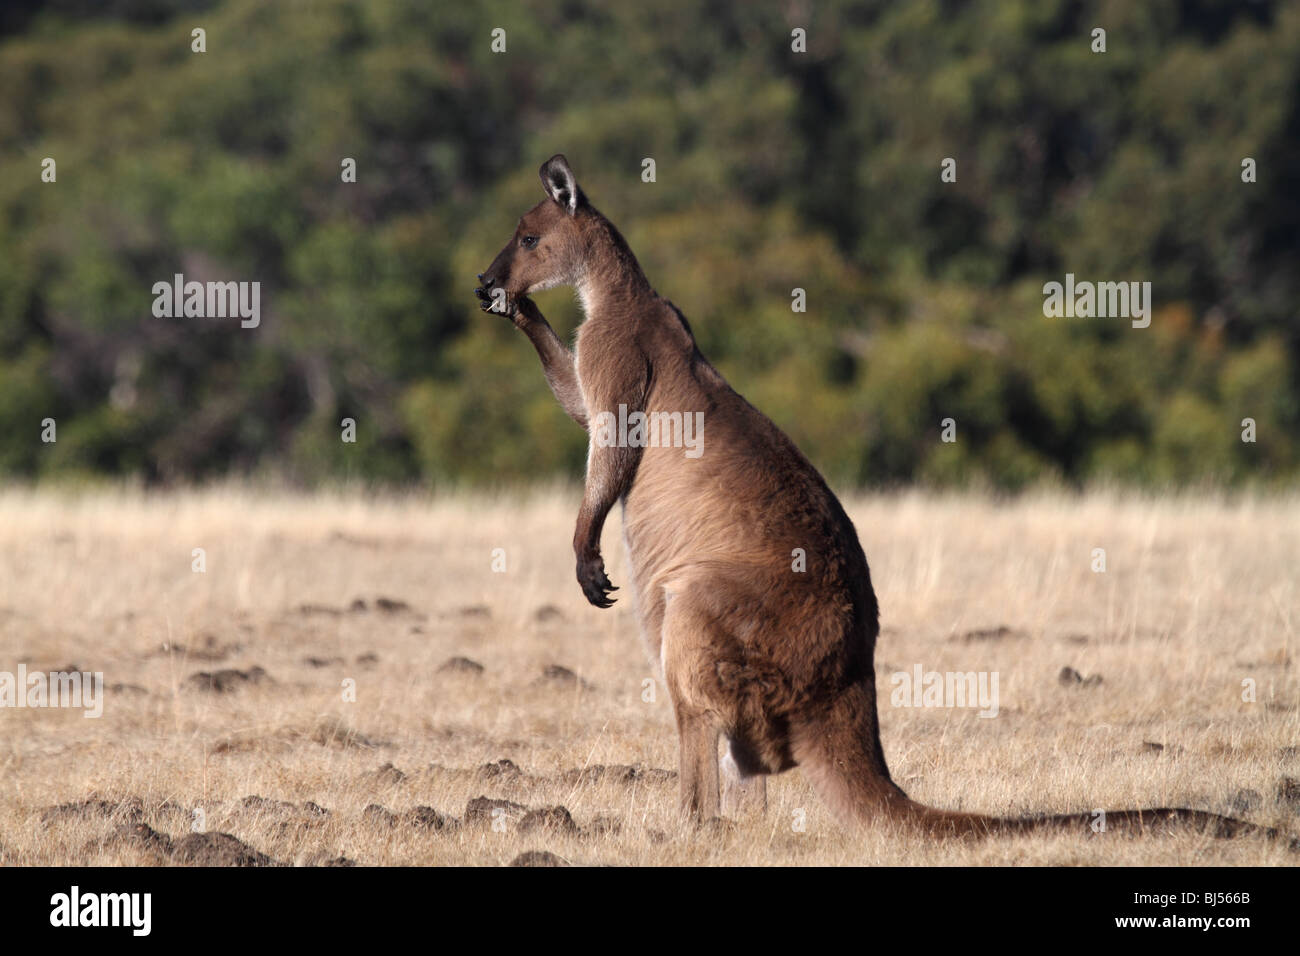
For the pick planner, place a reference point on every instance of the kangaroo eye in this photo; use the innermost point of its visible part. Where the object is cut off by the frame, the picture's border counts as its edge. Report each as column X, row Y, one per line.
column 528, row 241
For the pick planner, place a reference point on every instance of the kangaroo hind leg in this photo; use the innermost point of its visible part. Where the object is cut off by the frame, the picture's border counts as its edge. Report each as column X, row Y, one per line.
column 719, row 685
column 697, row 765
column 690, row 673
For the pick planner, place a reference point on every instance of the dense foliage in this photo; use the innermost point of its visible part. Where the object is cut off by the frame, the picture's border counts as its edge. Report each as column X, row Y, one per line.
column 775, row 170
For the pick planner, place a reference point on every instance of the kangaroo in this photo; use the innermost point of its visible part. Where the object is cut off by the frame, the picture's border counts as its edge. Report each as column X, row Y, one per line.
column 776, row 661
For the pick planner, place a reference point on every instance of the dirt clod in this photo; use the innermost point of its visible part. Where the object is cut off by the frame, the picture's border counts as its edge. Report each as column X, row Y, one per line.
column 427, row 818
column 1069, row 677
column 333, row 732
column 218, row 849
column 322, row 661
column 482, row 811
column 263, row 805
column 561, row 676
column 129, row 810
column 389, row 776
column 226, row 680
column 138, row 836
column 460, row 665
column 991, row 633
column 621, row 773
column 550, row 819
column 378, row 816
column 503, row 768
column 538, row 858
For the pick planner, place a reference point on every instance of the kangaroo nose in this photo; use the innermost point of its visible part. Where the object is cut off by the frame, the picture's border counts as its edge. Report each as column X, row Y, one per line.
column 487, row 283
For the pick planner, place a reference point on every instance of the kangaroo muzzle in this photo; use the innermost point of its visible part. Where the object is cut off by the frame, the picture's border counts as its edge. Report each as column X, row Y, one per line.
column 491, row 291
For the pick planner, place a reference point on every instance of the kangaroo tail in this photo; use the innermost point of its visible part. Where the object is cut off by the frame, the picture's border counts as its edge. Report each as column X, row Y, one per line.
column 841, row 756
column 1153, row 820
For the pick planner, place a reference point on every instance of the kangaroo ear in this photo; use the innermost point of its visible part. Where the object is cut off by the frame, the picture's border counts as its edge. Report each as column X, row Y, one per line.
column 559, row 182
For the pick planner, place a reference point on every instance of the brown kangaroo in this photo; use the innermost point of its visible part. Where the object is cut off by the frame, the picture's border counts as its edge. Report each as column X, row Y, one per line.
column 778, row 661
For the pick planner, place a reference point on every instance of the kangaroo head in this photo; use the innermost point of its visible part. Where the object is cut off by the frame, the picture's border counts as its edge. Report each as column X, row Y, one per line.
column 547, row 248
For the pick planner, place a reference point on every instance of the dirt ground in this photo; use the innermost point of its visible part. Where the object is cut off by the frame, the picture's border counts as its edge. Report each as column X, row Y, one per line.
column 350, row 679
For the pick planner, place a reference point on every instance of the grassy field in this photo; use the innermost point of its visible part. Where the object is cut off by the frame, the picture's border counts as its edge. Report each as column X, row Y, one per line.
column 226, row 736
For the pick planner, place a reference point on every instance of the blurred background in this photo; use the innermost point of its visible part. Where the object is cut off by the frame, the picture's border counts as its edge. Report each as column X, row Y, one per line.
column 774, row 170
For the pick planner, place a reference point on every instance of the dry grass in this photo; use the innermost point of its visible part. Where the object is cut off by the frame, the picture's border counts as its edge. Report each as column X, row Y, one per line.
column 1199, row 594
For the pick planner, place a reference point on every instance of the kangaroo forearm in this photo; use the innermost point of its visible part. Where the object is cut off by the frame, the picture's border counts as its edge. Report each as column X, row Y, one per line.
column 609, row 475
column 590, row 524
column 557, row 366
